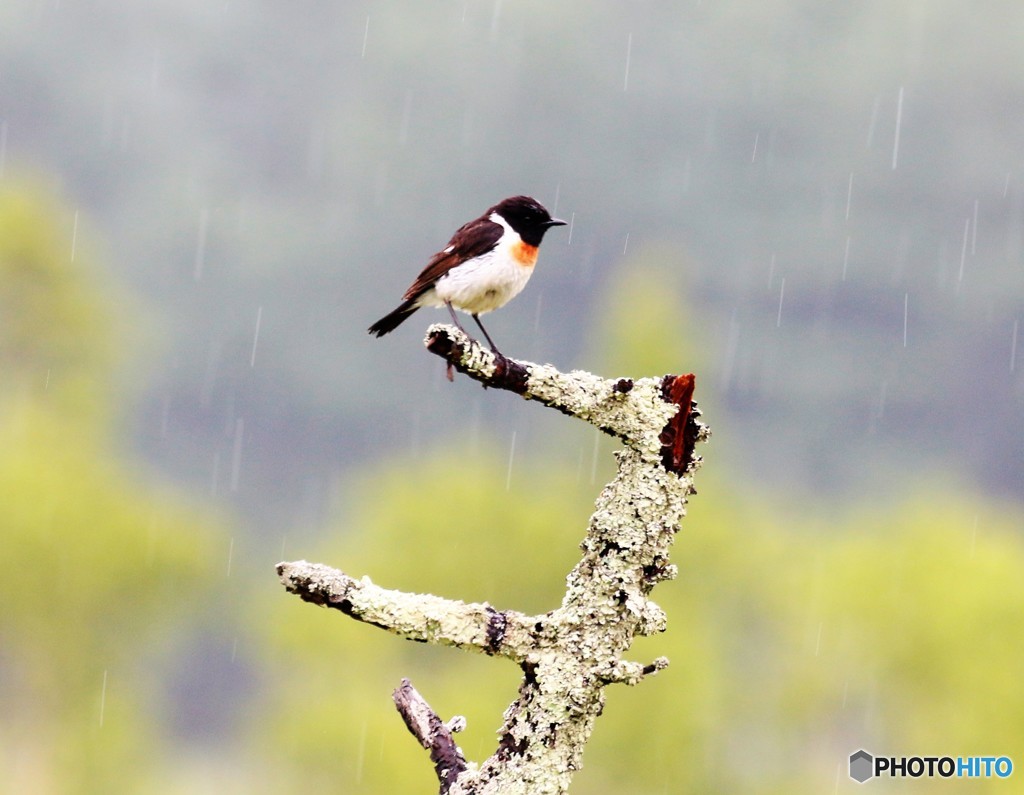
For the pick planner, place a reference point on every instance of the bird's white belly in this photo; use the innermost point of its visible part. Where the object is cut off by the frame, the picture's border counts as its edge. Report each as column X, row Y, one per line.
column 480, row 285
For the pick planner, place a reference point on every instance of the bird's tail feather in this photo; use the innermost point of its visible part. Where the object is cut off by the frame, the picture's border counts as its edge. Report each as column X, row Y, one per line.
column 394, row 319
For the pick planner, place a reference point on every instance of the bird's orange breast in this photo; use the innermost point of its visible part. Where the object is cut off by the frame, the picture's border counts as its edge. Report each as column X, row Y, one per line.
column 524, row 254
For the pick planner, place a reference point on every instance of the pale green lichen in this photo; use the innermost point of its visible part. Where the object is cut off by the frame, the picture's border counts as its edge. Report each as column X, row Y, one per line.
column 573, row 652
column 475, row 357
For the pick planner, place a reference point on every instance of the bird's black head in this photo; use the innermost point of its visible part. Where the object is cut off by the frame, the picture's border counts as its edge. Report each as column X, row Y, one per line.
column 527, row 216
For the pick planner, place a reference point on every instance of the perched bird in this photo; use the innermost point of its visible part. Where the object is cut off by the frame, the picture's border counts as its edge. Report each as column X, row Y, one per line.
column 484, row 266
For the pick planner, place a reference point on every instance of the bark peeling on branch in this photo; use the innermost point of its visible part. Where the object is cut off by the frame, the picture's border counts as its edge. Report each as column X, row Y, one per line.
column 570, row 654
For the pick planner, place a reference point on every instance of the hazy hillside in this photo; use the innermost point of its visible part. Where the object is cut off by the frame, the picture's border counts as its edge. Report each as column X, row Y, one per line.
column 245, row 161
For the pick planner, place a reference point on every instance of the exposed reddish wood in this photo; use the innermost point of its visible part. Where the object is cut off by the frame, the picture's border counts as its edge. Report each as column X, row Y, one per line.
column 676, row 439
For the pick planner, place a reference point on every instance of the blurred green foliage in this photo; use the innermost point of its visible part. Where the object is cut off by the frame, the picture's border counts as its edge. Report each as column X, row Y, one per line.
column 101, row 567
column 642, row 324
column 798, row 632
column 57, row 336
column 795, row 637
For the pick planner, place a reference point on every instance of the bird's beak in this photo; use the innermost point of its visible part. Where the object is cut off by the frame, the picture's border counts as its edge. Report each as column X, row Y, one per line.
column 557, row 222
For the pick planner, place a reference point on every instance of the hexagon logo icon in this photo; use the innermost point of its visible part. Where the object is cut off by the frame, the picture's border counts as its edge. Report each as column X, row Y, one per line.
column 861, row 766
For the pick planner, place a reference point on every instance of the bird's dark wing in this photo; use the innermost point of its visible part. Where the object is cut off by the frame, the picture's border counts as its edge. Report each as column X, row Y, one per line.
column 471, row 240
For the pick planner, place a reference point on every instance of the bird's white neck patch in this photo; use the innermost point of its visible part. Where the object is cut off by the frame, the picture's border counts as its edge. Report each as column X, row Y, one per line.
column 499, row 219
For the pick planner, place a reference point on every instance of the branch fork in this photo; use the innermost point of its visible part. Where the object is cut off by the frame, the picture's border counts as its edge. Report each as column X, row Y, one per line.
column 569, row 655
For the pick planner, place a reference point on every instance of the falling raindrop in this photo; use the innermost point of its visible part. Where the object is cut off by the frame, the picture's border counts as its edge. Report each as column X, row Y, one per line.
column 200, row 261
column 753, row 156
column 899, row 123
column 231, row 554
column 629, row 53
column 1006, row 183
column 366, row 35
column 572, row 225
column 256, row 336
column 593, row 459
column 963, row 251
column 74, row 236
column 846, row 257
column 103, row 697
column 849, row 196
column 511, row 456
column 782, row 293
column 625, row 245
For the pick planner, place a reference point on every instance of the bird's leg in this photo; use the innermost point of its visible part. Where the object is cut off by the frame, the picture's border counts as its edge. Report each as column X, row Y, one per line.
column 494, row 348
column 450, row 371
column 455, row 320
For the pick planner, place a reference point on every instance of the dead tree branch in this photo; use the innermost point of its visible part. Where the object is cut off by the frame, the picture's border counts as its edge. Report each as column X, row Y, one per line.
column 571, row 653
column 432, row 732
column 420, row 617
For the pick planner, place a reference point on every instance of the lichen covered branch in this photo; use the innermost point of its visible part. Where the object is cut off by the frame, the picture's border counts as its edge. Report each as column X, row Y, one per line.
column 571, row 654
column 421, row 617
column 647, row 413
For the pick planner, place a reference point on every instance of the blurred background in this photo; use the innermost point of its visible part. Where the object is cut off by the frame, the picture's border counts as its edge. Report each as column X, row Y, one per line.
column 818, row 208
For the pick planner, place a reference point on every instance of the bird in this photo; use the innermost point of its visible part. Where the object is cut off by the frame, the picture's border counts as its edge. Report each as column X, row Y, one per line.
column 485, row 265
